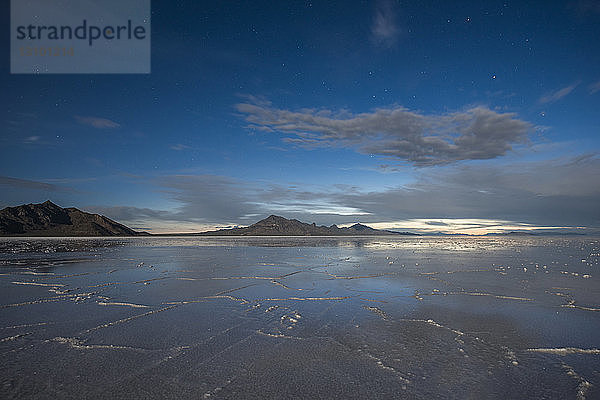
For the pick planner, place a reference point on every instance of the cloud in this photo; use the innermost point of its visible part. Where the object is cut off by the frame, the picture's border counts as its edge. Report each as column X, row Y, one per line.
column 208, row 198
column 557, row 95
column 472, row 226
column 179, row 147
column 17, row 191
column 563, row 192
column 127, row 213
column 150, row 220
column 207, row 201
column 586, row 7
column 27, row 184
column 556, row 192
column 594, row 87
column 436, row 223
column 98, row 123
column 201, row 199
column 420, row 139
column 384, row 28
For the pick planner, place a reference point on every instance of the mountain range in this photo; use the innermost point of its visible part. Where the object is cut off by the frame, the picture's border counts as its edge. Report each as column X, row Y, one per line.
column 48, row 219
column 274, row 225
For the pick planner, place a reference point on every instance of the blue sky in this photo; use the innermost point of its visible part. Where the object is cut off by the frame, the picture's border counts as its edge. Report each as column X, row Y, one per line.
column 425, row 116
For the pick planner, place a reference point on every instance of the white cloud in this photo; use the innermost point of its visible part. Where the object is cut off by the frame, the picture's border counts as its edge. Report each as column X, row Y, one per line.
column 384, row 28
column 558, row 94
column 96, row 122
column 420, row 139
column 179, row 147
column 594, row 87
column 473, row 226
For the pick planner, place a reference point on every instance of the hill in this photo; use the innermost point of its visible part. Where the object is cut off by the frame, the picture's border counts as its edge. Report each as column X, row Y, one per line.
column 48, row 219
column 280, row 226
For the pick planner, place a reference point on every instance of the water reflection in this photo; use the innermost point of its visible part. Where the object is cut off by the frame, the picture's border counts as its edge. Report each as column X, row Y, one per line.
column 421, row 315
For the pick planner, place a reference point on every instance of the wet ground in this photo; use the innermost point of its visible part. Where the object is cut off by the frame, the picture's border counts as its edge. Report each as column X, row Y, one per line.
column 225, row 318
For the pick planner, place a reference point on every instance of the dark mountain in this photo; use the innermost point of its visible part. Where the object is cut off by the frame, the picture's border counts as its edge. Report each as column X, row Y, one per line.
column 48, row 219
column 279, row 226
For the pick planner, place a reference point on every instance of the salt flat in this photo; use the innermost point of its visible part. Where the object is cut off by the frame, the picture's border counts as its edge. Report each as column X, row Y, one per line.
column 292, row 317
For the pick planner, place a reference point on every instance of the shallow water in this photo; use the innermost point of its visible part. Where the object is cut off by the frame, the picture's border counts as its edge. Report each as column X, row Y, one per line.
column 378, row 317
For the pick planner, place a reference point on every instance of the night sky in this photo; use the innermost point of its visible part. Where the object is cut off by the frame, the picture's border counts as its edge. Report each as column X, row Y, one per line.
column 473, row 117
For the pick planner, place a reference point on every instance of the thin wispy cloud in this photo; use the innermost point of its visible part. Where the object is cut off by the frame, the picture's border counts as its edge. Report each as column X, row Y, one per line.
column 594, row 87
column 586, row 7
column 32, row 139
column 419, row 139
column 385, row 30
column 557, row 95
column 17, row 183
column 128, row 213
column 96, row 122
column 179, row 147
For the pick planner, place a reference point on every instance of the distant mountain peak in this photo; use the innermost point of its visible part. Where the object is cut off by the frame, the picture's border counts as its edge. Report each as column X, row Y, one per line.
column 49, row 219
column 48, row 204
column 360, row 227
column 274, row 217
